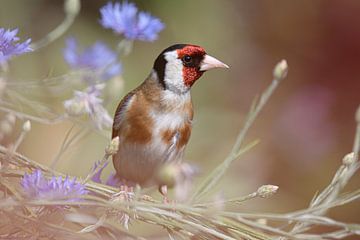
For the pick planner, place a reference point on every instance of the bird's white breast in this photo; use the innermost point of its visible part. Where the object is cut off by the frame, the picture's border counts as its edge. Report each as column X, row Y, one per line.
column 174, row 118
column 139, row 161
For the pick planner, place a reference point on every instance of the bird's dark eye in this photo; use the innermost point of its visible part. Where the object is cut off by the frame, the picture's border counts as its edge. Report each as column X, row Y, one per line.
column 187, row 59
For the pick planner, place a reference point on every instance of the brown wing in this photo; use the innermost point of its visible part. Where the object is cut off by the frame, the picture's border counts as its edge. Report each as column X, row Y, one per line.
column 119, row 113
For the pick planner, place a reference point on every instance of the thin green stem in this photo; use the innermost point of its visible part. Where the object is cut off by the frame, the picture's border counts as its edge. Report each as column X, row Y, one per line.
column 72, row 9
column 214, row 177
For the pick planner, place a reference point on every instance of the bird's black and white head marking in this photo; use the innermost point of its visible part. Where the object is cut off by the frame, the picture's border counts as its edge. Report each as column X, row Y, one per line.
column 180, row 65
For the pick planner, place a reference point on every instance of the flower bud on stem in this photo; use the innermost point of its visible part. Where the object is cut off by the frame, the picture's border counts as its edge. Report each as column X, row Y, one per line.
column 113, row 147
column 266, row 191
column 25, row 129
column 280, row 70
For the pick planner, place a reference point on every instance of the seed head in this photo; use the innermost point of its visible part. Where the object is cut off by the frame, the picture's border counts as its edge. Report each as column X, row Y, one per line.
column 280, row 70
column 266, row 191
column 27, row 126
column 349, row 159
column 113, row 147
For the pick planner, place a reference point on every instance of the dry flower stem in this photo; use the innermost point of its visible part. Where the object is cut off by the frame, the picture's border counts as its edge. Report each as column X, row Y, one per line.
column 26, row 128
column 213, row 178
column 341, row 178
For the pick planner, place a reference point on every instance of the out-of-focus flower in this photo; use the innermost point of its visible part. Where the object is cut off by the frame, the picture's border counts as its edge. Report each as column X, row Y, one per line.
column 112, row 180
column 180, row 176
column 36, row 186
column 9, row 45
column 97, row 58
column 88, row 102
column 185, row 181
column 97, row 175
column 124, row 18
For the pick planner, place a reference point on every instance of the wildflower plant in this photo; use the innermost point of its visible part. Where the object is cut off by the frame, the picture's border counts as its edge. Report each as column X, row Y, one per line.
column 37, row 186
column 98, row 58
column 88, row 102
column 94, row 209
column 10, row 45
column 124, row 18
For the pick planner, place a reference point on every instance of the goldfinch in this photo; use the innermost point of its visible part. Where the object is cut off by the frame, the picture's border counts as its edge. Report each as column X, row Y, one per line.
column 154, row 121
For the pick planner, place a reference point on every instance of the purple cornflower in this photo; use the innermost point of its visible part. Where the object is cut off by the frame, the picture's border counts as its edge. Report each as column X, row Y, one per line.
column 36, row 186
column 88, row 102
column 98, row 57
column 112, row 180
column 97, row 175
column 8, row 45
column 124, row 18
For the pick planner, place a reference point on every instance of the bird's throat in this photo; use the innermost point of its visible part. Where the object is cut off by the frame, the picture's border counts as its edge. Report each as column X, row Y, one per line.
column 190, row 75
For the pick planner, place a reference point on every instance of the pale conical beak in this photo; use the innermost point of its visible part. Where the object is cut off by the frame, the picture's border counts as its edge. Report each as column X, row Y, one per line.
column 210, row 62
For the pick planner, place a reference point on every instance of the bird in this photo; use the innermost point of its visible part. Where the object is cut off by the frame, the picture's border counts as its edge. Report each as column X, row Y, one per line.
column 154, row 121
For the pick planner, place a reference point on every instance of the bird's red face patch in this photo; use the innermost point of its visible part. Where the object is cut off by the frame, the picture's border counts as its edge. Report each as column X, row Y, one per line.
column 191, row 56
column 191, row 50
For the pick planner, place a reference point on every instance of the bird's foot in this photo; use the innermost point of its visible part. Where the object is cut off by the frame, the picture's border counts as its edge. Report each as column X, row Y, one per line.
column 164, row 192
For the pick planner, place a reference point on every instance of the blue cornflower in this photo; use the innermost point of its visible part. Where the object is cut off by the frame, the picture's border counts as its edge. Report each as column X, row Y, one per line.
column 124, row 18
column 8, row 45
column 98, row 58
column 36, row 186
column 97, row 175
